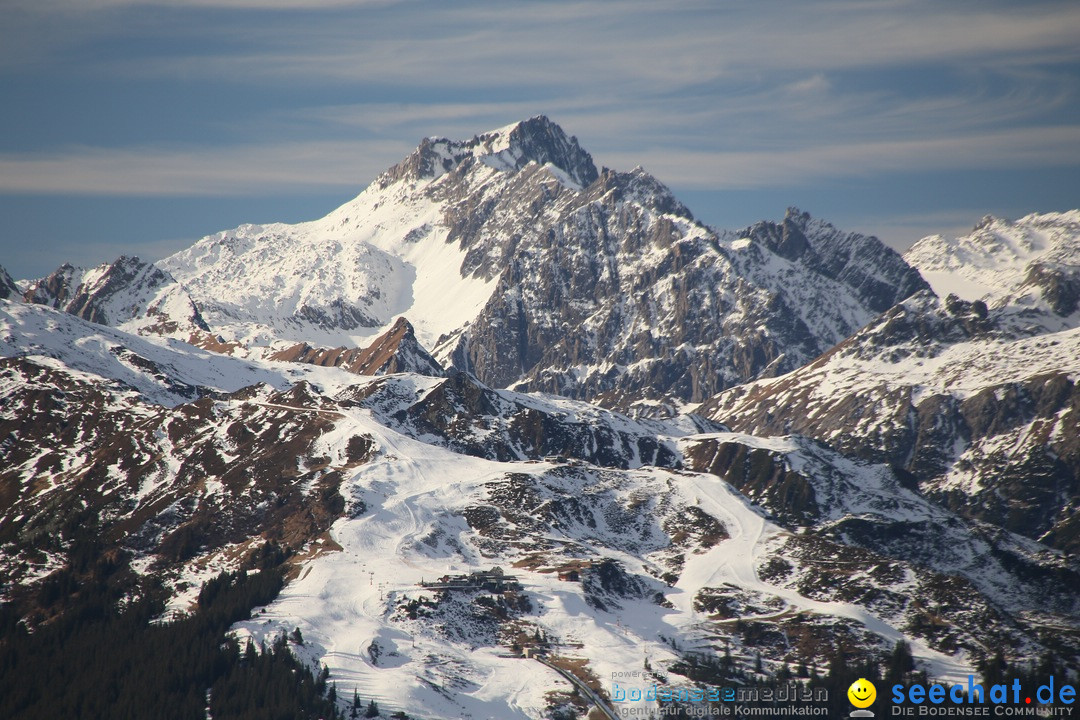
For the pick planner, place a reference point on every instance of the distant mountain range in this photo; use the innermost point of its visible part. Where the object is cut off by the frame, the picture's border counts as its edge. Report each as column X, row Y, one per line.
column 774, row 442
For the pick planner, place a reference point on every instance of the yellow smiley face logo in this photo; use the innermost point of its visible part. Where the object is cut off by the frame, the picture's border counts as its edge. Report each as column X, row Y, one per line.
column 862, row 693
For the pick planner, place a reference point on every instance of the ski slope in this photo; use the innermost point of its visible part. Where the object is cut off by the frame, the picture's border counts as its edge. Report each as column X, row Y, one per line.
column 413, row 529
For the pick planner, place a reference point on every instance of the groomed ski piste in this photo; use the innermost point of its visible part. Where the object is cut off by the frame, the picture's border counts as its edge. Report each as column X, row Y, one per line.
column 345, row 602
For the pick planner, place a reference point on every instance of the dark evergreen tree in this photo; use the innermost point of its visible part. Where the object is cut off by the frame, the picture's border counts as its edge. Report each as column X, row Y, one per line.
column 901, row 663
column 102, row 659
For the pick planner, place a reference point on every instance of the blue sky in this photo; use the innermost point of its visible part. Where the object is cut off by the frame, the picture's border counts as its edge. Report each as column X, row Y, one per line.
column 138, row 126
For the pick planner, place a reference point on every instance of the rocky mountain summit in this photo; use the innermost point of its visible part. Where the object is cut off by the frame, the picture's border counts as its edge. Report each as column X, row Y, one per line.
column 517, row 261
column 395, row 351
column 8, row 288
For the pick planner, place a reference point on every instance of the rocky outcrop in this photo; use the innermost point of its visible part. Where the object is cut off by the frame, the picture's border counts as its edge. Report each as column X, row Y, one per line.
column 127, row 292
column 395, row 351
column 8, row 288
column 470, row 418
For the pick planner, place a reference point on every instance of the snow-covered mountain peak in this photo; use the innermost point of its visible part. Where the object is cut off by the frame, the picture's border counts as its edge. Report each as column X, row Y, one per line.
column 1033, row 261
column 516, row 260
column 509, row 148
column 638, row 186
column 876, row 273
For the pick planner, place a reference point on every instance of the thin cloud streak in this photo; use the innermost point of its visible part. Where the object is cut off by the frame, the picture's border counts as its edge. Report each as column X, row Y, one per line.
column 248, row 170
column 641, row 46
column 84, row 6
column 761, row 119
column 706, row 95
column 301, row 167
column 1048, row 147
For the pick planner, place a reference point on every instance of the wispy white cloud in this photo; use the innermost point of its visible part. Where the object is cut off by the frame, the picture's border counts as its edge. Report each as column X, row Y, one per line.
column 804, row 113
column 645, row 45
column 246, row 170
column 1025, row 148
column 83, row 6
column 317, row 166
column 706, row 94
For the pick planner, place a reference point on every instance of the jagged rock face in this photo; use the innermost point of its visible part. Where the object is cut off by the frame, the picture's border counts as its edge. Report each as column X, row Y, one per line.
column 395, row 351
column 879, row 278
column 619, row 294
column 54, row 289
column 469, row 418
column 8, row 288
column 982, row 416
column 1021, row 467
column 762, row 475
column 126, row 293
column 520, row 263
column 1059, row 285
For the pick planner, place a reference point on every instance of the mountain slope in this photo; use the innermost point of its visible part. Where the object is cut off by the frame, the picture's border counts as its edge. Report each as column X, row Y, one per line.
column 160, row 371
column 517, row 261
column 127, row 293
column 376, row 489
column 1031, row 262
column 981, row 413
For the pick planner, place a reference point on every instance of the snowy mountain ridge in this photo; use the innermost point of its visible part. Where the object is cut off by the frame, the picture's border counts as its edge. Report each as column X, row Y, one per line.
column 128, row 293
column 383, row 255
column 482, row 361
column 979, row 411
column 1030, row 262
column 514, row 259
